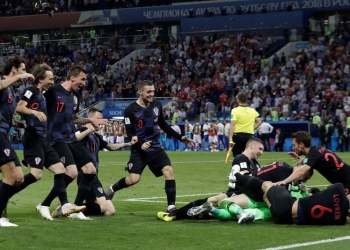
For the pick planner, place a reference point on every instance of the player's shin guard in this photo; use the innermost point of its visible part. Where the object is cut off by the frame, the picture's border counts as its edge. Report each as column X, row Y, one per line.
column 221, row 214
column 28, row 179
column 119, row 185
column 68, row 180
column 181, row 213
column 53, row 193
column 230, row 206
column 170, row 190
column 83, row 188
column 5, row 190
column 60, row 187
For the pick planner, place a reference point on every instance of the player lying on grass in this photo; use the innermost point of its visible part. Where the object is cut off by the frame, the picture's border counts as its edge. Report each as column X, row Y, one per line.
column 327, row 207
column 231, row 208
column 273, row 171
column 245, row 161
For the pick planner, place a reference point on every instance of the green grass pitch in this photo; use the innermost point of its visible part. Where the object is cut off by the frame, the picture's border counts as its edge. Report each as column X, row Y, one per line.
column 134, row 226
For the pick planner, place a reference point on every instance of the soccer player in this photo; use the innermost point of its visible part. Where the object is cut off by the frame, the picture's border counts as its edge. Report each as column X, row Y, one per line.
column 327, row 163
column 142, row 119
column 109, row 130
column 205, row 129
column 327, row 207
column 247, row 161
column 62, row 102
column 233, row 206
column 221, row 132
column 120, row 131
column 196, row 131
column 244, row 120
column 14, row 70
column 213, row 136
column 96, row 202
column 227, row 132
column 188, row 132
column 37, row 151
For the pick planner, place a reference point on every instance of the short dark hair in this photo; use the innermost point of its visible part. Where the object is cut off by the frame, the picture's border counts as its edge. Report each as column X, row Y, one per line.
column 93, row 111
column 242, row 97
column 253, row 139
column 75, row 71
column 13, row 61
column 145, row 83
column 39, row 72
column 302, row 137
column 314, row 190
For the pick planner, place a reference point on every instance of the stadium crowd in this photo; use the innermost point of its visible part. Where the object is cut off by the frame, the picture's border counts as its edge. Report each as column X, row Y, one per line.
column 33, row 7
column 204, row 74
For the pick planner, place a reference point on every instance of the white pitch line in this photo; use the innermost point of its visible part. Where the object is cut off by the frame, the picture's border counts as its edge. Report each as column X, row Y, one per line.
column 308, row 243
column 191, row 162
column 200, row 162
column 177, row 196
column 151, row 201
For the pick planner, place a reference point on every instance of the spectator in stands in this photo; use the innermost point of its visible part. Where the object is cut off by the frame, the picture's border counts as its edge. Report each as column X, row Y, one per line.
column 279, row 140
column 177, row 129
column 210, row 109
column 264, row 131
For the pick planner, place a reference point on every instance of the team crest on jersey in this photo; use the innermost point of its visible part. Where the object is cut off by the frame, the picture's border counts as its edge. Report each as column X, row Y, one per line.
column 155, row 110
column 75, row 102
column 37, row 160
column 63, row 159
column 100, row 190
column 130, row 166
column 7, row 152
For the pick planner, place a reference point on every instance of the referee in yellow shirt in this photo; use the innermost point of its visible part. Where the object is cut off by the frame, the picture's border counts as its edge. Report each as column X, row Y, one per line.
column 244, row 120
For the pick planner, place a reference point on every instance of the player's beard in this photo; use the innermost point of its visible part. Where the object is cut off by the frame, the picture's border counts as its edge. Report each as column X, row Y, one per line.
column 147, row 100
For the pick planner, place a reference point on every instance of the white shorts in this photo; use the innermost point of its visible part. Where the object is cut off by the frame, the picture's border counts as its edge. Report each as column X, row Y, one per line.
column 110, row 139
column 213, row 139
column 197, row 139
column 120, row 139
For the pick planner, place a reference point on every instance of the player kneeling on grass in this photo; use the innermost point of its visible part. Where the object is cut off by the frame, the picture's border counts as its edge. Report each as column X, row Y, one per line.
column 96, row 201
